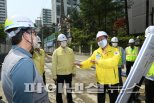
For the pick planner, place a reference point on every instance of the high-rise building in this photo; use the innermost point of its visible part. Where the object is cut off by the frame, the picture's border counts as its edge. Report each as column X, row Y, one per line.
column 46, row 17
column 141, row 15
column 38, row 23
column 3, row 11
column 69, row 6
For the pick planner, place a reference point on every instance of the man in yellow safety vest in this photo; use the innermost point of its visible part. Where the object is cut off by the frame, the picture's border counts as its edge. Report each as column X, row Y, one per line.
column 131, row 55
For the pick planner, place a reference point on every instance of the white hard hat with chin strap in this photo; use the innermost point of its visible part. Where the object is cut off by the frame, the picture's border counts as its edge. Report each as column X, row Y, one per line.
column 63, row 40
column 61, row 37
column 103, row 42
column 18, row 23
column 114, row 40
column 14, row 25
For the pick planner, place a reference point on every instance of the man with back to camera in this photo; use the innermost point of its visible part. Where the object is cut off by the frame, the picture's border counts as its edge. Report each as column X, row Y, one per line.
column 18, row 68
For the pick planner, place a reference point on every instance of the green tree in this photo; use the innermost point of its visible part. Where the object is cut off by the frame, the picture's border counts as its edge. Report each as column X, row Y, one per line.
column 101, row 14
column 46, row 31
column 96, row 15
column 2, row 33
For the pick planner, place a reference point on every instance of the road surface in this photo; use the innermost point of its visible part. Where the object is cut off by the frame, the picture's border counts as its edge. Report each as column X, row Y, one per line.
column 87, row 77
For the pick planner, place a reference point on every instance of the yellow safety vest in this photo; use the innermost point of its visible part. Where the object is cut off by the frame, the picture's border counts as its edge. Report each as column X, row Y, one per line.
column 131, row 54
column 151, row 71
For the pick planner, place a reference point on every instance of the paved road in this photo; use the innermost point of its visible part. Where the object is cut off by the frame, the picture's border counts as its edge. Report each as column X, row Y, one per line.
column 83, row 76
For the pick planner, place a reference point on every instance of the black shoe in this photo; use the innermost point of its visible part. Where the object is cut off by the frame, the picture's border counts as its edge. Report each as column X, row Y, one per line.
column 0, row 97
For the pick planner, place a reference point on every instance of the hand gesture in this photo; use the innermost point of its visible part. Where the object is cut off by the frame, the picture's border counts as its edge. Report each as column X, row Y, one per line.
column 78, row 64
column 94, row 61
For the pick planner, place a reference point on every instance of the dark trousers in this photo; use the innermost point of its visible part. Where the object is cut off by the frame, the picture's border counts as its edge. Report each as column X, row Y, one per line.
column 60, row 82
column 120, row 77
column 128, row 67
column 111, row 89
column 44, row 80
column 149, row 91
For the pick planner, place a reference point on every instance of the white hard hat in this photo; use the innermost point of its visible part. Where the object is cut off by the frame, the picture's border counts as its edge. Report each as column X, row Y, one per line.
column 149, row 30
column 101, row 33
column 61, row 37
column 131, row 41
column 17, row 22
column 114, row 40
column 38, row 39
column 138, row 37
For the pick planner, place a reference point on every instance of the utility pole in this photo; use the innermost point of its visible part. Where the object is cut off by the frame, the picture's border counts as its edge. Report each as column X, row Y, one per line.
column 126, row 16
column 62, row 16
column 147, row 13
column 152, row 12
column 41, row 28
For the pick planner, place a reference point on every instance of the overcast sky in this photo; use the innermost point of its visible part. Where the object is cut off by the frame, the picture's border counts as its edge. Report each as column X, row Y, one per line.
column 28, row 8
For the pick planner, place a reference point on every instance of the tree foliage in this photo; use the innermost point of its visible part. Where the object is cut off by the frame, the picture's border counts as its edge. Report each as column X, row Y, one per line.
column 96, row 15
column 46, row 31
column 2, row 33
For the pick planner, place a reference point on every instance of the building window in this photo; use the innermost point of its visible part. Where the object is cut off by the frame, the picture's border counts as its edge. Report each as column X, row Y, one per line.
column 58, row 1
column 2, row 11
column 2, row 19
column 2, row 8
column 58, row 10
column 2, row 5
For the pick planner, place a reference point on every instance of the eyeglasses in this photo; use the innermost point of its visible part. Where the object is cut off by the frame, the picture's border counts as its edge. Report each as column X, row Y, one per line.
column 32, row 32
